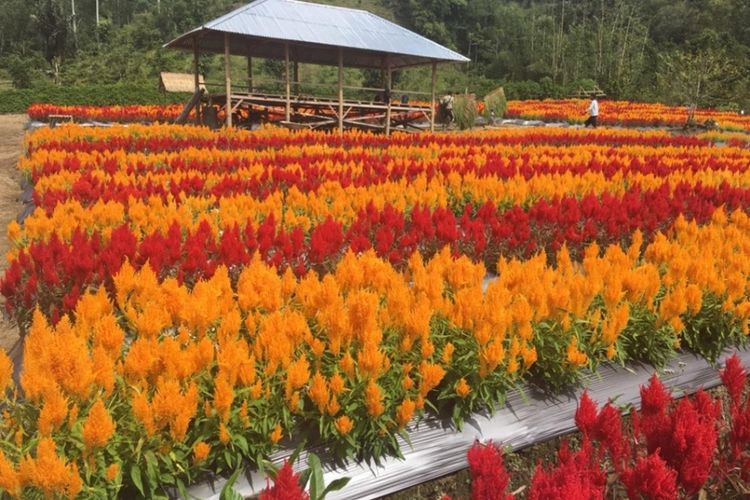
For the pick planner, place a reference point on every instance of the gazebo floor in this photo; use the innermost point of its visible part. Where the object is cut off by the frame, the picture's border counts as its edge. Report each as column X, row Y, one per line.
column 311, row 112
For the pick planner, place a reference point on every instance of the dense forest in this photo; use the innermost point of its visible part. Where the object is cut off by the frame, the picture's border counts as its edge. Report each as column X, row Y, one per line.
column 680, row 52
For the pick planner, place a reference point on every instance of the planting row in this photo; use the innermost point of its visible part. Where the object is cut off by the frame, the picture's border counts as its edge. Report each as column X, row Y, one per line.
column 152, row 383
column 614, row 112
column 625, row 113
column 56, row 261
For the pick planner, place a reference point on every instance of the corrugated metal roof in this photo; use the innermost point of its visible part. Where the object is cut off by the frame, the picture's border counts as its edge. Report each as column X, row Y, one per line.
column 261, row 28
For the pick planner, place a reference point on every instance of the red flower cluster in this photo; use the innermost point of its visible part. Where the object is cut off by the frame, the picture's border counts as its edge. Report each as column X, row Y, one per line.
column 673, row 448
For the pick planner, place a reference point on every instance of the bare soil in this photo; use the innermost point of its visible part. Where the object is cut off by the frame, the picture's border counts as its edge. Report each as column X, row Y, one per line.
column 11, row 141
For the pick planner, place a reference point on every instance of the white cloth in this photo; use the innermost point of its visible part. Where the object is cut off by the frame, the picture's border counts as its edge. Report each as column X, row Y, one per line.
column 594, row 108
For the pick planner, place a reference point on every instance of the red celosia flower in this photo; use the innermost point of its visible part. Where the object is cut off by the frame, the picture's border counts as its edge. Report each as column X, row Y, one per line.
column 579, row 475
column 651, row 478
column 489, row 479
column 285, row 486
column 586, row 414
column 733, row 376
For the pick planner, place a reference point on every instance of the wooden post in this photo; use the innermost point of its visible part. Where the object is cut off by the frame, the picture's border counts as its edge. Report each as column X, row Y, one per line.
column 196, row 75
column 296, row 75
column 388, row 81
column 288, row 113
column 432, row 108
column 249, row 74
column 228, row 79
column 341, row 90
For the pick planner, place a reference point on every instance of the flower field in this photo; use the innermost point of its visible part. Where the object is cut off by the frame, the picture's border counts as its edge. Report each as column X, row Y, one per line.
column 623, row 113
column 192, row 298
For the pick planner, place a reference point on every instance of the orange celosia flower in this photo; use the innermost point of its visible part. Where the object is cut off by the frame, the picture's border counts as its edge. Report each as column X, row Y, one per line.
column 347, row 365
column 344, row 425
column 276, row 434
column 374, row 399
column 143, row 412
column 333, row 406
column 6, row 372
column 112, row 472
column 430, row 376
column 223, row 397
column 462, row 388
column 224, row 436
column 201, row 451
column 53, row 412
column 9, row 477
column 298, row 374
column 98, row 427
column 244, row 417
column 448, row 353
column 49, row 472
column 575, row 356
column 336, row 384
column 318, row 391
column 404, row 412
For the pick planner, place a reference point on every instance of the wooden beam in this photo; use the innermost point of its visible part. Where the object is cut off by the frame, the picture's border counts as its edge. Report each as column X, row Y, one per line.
column 228, row 79
column 341, row 90
column 288, row 112
column 432, row 106
column 388, row 81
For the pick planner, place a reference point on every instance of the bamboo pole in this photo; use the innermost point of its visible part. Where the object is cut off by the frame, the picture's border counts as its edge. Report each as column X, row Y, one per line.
column 341, row 90
column 288, row 113
column 228, row 79
column 388, row 80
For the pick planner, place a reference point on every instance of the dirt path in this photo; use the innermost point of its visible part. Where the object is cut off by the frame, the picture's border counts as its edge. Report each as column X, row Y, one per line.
column 11, row 140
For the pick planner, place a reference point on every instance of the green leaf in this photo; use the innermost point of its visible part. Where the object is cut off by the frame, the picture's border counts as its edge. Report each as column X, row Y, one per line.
column 316, row 479
column 336, row 485
column 135, row 475
column 304, row 477
column 228, row 492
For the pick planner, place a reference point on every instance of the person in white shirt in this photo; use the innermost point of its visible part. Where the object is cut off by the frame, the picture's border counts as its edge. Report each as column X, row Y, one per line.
column 593, row 110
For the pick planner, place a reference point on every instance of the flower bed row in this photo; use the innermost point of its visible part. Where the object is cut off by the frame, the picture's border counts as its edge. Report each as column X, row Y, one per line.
column 626, row 113
column 52, row 271
column 613, row 112
column 120, row 114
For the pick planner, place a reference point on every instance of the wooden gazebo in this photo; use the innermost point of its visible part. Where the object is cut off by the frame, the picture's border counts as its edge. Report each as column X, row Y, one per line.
column 302, row 32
